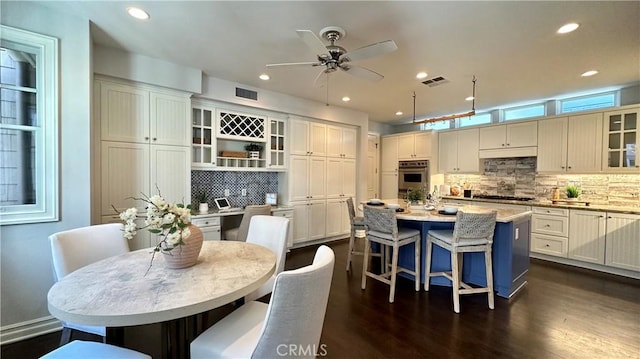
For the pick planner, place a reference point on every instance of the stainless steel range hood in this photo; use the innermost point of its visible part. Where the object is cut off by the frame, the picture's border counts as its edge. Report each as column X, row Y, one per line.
column 531, row 151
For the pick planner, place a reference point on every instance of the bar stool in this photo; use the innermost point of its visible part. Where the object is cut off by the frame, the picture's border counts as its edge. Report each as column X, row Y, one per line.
column 382, row 228
column 357, row 231
column 473, row 232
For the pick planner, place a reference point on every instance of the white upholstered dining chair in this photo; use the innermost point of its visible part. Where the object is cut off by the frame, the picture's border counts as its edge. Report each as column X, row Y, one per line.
column 270, row 232
column 80, row 349
column 293, row 319
column 76, row 248
column 240, row 233
column 472, row 232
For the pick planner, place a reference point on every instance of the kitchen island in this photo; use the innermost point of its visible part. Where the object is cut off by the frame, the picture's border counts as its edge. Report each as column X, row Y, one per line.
column 510, row 251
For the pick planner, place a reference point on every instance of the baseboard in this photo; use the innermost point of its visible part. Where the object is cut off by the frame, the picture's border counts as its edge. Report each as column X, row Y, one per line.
column 320, row 241
column 586, row 265
column 31, row 328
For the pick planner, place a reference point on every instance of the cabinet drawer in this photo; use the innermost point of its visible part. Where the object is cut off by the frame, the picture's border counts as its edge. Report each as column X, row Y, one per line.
column 564, row 212
column 553, row 225
column 551, row 245
column 207, row 221
column 211, row 233
column 285, row 214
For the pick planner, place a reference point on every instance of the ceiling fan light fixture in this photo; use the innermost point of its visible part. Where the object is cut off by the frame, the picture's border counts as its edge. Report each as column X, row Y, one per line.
column 422, row 75
column 589, row 73
column 264, row 77
column 567, row 28
column 346, row 99
column 138, row 13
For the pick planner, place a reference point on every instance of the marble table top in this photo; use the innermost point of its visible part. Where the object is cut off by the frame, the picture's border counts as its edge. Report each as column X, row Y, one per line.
column 503, row 215
column 115, row 292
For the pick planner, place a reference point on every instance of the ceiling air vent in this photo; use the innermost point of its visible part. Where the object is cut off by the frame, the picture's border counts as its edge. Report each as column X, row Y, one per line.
column 244, row 93
column 435, row 81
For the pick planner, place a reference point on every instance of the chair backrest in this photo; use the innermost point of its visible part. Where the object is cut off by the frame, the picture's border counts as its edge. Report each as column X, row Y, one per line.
column 352, row 210
column 474, row 226
column 381, row 220
column 295, row 315
column 79, row 247
column 250, row 211
column 270, row 232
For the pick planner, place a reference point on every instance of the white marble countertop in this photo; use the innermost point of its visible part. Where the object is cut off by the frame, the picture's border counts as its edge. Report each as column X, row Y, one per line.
column 115, row 292
column 548, row 203
column 503, row 215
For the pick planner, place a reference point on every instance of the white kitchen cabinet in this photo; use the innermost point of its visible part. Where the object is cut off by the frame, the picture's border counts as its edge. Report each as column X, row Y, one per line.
column 550, row 231
column 310, row 221
column 587, row 230
column 286, row 213
column 276, row 150
column 389, row 154
column 521, row 134
column 308, row 138
column 341, row 142
column 414, row 146
column 389, row 185
column 140, row 114
column 130, row 169
column 584, row 143
column 210, row 227
column 570, row 144
column 337, row 219
column 552, row 145
column 203, row 142
column 307, row 178
column 621, row 136
column 341, row 174
column 458, row 151
column 623, row 241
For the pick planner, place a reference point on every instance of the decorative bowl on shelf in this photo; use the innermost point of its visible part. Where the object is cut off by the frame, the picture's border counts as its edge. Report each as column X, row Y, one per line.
column 375, row 201
column 393, row 205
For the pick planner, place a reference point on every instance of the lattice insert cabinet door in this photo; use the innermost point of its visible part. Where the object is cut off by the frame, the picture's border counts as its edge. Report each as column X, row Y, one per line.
column 244, row 127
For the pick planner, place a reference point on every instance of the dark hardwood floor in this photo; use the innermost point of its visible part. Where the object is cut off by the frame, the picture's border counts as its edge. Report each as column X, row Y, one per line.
column 564, row 312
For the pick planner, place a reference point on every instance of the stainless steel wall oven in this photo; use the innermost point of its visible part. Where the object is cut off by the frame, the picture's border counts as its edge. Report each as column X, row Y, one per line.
column 412, row 174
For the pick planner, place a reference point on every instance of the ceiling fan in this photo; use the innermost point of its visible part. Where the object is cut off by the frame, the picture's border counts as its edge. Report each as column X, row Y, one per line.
column 334, row 57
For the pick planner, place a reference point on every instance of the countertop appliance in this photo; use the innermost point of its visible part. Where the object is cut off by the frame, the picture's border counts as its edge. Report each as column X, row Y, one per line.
column 413, row 174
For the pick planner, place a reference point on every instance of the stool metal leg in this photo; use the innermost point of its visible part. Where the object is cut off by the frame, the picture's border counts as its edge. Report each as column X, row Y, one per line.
column 489, row 270
column 427, row 267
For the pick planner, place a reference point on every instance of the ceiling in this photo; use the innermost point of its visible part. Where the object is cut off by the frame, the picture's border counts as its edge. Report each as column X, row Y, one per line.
column 510, row 46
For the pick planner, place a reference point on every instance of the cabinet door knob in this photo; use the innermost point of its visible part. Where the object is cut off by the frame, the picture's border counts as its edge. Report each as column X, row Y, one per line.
column 508, row 144
column 146, row 138
column 562, row 167
column 154, row 139
column 546, row 245
column 503, row 145
column 547, row 225
column 569, row 167
column 609, row 217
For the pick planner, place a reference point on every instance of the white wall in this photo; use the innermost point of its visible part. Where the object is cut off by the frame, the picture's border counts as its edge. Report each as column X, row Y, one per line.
column 25, row 266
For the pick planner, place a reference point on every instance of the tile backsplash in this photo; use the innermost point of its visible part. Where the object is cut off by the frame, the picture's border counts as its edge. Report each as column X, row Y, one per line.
column 517, row 177
column 213, row 183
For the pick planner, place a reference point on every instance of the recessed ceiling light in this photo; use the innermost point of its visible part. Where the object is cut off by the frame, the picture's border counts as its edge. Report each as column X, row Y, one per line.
column 421, row 75
column 138, row 13
column 589, row 73
column 470, row 98
column 346, row 99
column 399, row 113
column 264, row 77
column 565, row 29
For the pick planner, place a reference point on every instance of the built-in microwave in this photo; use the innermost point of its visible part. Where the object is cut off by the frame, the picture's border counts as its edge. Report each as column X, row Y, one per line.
column 413, row 174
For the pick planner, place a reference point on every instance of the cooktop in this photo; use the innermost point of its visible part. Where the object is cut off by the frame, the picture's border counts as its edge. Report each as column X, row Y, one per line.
column 506, row 198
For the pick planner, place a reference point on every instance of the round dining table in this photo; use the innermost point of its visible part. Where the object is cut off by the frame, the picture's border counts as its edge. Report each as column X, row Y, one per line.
column 129, row 289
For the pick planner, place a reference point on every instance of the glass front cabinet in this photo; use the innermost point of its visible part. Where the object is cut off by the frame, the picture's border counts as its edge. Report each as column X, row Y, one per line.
column 225, row 139
column 621, row 138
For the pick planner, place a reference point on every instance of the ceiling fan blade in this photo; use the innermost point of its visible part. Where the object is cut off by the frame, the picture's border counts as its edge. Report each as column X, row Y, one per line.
column 313, row 42
column 371, row 50
column 313, row 63
column 361, row 72
column 318, row 80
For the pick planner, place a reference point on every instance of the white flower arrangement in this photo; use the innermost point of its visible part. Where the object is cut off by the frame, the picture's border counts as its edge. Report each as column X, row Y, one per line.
column 168, row 221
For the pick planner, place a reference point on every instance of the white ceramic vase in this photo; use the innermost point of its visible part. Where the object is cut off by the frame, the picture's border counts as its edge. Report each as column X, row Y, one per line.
column 203, row 207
